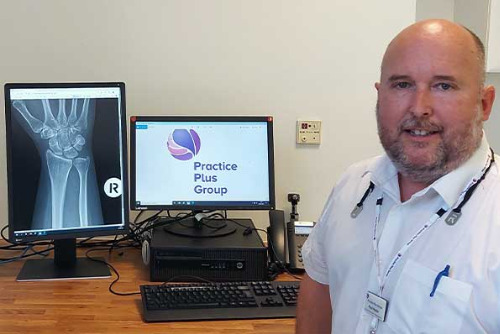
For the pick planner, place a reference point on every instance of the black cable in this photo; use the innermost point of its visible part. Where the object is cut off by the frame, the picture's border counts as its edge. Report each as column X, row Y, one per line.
column 25, row 250
column 132, row 235
column 210, row 218
column 166, row 222
column 225, row 219
column 110, row 288
column 3, row 237
column 128, row 240
column 113, row 244
column 20, row 244
column 24, row 255
column 138, row 216
column 216, row 228
column 84, row 241
column 143, row 222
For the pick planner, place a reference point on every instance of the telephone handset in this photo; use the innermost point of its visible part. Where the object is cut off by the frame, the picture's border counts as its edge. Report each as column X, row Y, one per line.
column 286, row 239
column 277, row 239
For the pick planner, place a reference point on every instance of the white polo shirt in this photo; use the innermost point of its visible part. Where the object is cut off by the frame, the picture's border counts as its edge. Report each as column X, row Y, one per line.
column 339, row 252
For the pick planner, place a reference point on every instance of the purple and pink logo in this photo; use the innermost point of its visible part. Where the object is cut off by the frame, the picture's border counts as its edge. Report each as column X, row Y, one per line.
column 184, row 144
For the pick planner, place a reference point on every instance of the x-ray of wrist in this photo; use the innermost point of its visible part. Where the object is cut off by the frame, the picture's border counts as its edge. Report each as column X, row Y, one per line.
column 61, row 130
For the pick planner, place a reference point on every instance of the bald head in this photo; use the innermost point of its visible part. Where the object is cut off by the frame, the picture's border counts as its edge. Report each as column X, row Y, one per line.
column 432, row 101
column 444, row 34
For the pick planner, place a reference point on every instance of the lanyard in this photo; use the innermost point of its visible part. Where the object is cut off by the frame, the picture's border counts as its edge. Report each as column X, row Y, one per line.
column 404, row 249
column 450, row 220
column 462, row 200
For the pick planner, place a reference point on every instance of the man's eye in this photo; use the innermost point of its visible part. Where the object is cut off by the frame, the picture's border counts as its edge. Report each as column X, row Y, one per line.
column 444, row 86
column 403, row 85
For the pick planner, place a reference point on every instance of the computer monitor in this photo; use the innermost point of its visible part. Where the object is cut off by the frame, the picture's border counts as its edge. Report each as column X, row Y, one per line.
column 201, row 163
column 66, row 170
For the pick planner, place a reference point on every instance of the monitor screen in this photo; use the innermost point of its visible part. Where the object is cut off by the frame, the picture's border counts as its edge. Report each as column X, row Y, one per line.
column 202, row 163
column 66, row 160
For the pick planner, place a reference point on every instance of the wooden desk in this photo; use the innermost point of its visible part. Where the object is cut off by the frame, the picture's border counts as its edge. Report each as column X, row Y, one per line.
column 86, row 306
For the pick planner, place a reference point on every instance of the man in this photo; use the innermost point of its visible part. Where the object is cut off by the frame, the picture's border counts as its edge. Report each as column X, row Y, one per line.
column 409, row 242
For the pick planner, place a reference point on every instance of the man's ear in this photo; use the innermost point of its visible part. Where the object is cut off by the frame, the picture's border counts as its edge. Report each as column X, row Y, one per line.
column 487, row 99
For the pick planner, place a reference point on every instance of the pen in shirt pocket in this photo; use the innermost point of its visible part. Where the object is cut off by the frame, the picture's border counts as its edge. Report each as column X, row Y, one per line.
column 444, row 272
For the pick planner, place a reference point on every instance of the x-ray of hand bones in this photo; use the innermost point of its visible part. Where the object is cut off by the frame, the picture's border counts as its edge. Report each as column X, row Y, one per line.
column 66, row 142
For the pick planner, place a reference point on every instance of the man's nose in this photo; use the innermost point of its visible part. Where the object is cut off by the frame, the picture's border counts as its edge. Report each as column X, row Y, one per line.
column 422, row 102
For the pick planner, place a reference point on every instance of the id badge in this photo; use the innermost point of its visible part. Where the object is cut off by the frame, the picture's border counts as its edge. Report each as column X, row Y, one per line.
column 376, row 305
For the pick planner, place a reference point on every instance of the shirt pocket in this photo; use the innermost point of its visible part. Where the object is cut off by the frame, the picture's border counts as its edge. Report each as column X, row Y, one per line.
column 412, row 310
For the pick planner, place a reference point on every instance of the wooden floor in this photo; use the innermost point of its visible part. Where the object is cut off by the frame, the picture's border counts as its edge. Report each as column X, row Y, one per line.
column 86, row 306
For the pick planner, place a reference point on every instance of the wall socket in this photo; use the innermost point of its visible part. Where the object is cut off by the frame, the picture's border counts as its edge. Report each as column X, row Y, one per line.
column 308, row 132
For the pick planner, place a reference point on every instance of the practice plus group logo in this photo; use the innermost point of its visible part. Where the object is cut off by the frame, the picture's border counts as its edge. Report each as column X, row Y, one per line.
column 183, row 144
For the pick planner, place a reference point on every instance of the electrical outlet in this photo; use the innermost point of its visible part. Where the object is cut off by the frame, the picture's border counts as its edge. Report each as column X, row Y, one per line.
column 308, row 132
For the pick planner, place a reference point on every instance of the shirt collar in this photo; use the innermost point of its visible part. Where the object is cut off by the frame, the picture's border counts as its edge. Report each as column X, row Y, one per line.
column 450, row 186
column 384, row 175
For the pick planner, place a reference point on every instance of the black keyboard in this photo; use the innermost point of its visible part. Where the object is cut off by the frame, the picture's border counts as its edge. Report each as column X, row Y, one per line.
column 221, row 300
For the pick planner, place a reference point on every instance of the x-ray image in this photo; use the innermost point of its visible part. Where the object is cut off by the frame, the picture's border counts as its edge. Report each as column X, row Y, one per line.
column 67, row 193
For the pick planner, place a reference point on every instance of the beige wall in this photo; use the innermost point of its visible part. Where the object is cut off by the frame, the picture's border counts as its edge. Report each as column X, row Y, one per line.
column 291, row 59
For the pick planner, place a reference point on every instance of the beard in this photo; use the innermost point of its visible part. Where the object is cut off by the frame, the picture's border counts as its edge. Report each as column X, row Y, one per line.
column 458, row 143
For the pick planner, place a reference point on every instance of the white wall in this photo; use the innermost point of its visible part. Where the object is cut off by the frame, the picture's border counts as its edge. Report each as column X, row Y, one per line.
column 473, row 15
column 491, row 126
column 476, row 19
column 430, row 9
column 291, row 59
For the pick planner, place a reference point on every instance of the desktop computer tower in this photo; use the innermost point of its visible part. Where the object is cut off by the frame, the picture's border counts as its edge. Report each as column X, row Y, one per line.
column 238, row 256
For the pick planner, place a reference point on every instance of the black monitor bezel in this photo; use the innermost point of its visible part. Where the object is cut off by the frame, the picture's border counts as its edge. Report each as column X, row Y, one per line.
column 270, row 144
column 71, row 233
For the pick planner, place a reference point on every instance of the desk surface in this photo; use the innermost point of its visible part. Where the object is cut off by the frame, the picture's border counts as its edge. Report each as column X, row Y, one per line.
column 86, row 306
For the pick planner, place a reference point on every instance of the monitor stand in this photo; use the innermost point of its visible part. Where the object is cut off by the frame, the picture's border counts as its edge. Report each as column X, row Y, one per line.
column 193, row 228
column 65, row 265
